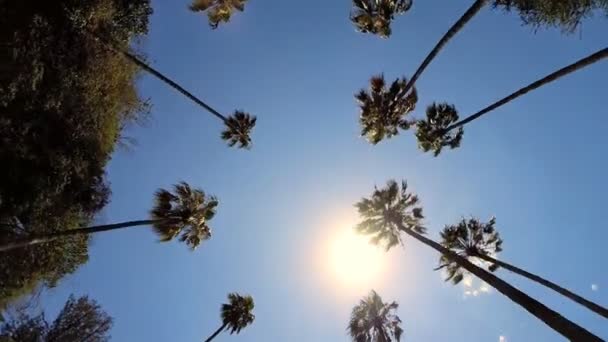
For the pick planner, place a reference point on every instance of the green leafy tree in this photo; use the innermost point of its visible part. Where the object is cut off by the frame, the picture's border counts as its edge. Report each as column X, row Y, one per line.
column 473, row 239
column 236, row 314
column 375, row 16
column 392, row 210
column 565, row 14
column 384, row 109
column 184, row 211
column 80, row 320
column 372, row 320
column 60, row 120
column 218, row 11
column 441, row 127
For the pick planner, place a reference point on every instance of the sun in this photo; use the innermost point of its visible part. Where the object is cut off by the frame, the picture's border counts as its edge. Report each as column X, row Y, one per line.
column 354, row 262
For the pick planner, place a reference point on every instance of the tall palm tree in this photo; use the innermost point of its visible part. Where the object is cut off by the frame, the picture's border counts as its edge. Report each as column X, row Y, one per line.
column 435, row 131
column 391, row 211
column 473, row 239
column 375, row 16
column 384, row 110
column 218, row 10
column 458, row 25
column 236, row 314
column 238, row 126
column 372, row 320
column 184, row 211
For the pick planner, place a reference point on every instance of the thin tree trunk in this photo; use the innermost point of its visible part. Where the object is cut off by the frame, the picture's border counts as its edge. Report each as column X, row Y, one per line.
column 37, row 239
column 217, row 332
column 160, row 76
column 564, row 292
column 464, row 19
column 557, row 322
column 601, row 54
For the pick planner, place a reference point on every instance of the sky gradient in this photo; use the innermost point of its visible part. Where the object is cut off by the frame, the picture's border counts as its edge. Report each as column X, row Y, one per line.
column 537, row 164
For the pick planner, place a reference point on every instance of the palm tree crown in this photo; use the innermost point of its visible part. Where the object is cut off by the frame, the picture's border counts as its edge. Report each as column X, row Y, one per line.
column 238, row 129
column 186, row 211
column 388, row 211
column 383, row 110
column 469, row 238
column 432, row 133
column 218, row 10
column 237, row 313
column 372, row 320
column 375, row 16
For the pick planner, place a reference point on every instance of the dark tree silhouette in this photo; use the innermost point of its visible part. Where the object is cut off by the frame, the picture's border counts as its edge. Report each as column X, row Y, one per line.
column 375, row 16
column 184, row 211
column 372, row 320
column 391, row 211
column 218, row 11
column 236, row 314
column 473, row 239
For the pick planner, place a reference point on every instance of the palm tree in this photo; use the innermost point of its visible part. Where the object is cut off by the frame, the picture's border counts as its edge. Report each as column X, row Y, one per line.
column 375, row 321
column 434, row 132
column 375, row 16
column 391, row 211
column 384, row 110
column 236, row 314
column 473, row 239
column 218, row 10
column 238, row 126
column 458, row 25
column 184, row 211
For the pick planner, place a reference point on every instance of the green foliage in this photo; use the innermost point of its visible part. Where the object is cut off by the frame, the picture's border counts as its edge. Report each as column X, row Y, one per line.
column 237, row 313
column 384, row 110
column 375, row 16
column 372, row 320
column 469, row 239
column 186, row 211
column 80, row 320
column 238, row 129
column 565, row 14
column 218, row 11
column 64, row 101
column 388, row 211
column 432, row 133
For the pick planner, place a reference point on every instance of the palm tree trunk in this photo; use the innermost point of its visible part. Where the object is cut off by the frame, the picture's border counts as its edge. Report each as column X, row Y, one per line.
column 464, row 19
column 564, row 292
column 217, row 332
column 160, row 76
column 601, row 54
column 37, row 239
column 557, row 322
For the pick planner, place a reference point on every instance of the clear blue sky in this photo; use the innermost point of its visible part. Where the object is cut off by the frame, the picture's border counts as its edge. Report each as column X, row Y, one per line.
column 538, row 165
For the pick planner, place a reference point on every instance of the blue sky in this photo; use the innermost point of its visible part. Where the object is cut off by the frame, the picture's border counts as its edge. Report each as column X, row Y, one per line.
column 537, row 164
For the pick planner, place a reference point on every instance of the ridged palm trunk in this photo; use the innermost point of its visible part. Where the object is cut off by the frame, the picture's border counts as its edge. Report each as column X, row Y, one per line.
column 464, row 19
column 564, row 292
column 161, row 77
column 593, row 58
column 557, row 322
column 217, row 332
column 37, row 239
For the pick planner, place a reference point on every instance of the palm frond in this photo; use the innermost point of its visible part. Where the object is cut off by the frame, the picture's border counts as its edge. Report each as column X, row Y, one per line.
column 431, row 132
column 238, row 129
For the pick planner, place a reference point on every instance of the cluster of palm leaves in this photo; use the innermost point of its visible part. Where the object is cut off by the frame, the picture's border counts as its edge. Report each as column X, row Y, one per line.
column 432, row 132
column 375, row 16
column 236, row 314
column 238, row 129
column 373, row 320
column 218, row 11
column 384, row 109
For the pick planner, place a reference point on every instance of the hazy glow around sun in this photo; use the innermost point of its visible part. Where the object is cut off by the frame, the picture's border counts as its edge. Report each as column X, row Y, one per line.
column 353, row 262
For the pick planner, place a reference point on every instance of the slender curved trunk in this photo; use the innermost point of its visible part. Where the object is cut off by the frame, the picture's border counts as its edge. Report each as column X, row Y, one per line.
column 564, row 292
column 554, row 320
column 595, row 57
column 37, row 239
column 458, row 25
column 160, row 76
column 217, row 332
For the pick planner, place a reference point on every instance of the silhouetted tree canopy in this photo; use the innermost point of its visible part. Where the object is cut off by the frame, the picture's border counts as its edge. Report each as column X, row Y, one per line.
column 80, row 320
column 64, row 100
